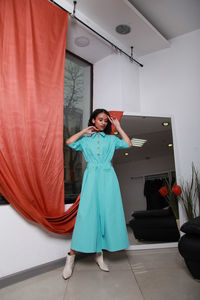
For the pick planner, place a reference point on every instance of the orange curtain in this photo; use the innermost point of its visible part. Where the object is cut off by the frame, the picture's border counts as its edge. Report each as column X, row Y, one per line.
column 32, row 57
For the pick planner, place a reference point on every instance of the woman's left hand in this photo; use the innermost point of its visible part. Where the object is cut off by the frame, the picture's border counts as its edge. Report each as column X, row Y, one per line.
column 114, row 121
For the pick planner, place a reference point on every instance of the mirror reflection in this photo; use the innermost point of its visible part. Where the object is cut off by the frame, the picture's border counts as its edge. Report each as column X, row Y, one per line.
column 142, row 171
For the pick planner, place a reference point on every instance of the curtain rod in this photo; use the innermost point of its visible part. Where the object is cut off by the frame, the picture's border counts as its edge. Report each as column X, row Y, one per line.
column 113, row 45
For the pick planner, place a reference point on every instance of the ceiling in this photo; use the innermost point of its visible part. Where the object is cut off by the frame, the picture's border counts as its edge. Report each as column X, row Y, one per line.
column 151, row 129
column 153, row 23
column 171, row 17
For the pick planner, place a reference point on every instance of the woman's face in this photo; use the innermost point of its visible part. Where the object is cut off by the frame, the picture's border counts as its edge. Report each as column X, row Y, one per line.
column 101, row 121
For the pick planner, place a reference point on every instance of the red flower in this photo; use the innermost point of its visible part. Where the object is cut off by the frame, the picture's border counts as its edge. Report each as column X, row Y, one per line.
column 163, row 191
column 176, row 190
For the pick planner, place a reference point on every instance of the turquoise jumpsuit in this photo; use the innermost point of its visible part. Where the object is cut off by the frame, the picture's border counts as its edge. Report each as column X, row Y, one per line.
column 100, row 222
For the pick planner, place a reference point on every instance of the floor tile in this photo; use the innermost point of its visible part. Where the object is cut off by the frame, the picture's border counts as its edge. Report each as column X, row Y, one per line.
column 49, row 286
column 89, row 285
column 85, row 261
column 159, row 258
column 115, row 260
column 167, row 283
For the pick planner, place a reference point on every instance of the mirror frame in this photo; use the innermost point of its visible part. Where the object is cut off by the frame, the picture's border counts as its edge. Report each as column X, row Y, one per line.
column 143, row 114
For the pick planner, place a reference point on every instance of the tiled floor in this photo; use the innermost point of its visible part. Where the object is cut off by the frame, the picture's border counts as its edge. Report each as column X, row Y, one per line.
column 136, row 275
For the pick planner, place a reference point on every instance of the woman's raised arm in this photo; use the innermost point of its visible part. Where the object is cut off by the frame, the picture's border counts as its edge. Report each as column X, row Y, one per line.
column 76, row 136
column 123, row 134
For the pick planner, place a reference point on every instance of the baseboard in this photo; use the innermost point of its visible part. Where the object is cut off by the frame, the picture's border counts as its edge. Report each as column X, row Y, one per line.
column 23, row 275
column 153, row 246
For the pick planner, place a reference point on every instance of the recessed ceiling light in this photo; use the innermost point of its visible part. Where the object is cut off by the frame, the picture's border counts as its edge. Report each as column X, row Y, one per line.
column 123, row 29
column 82, row 41
column 138, row 142
column 126, row 153
column 165, row 124
column 170, row 145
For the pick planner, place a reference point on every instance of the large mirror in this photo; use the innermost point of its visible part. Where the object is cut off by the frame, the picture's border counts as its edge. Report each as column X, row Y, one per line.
column 141, row 171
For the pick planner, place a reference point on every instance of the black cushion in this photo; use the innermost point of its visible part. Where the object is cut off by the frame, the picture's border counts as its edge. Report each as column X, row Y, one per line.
column 152, row 213
column 192, row 226
column 154, row 222
column 189, row 247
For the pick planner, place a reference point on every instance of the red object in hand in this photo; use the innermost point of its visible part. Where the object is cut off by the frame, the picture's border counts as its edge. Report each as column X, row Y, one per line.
column 176, row 190
column 163, row 191
column 116, row 114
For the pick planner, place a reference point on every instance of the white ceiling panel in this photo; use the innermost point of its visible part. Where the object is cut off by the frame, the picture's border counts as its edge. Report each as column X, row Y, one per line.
column 152, row 22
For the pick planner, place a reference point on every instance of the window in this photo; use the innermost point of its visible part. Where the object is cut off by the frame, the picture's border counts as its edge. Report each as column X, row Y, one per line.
column 77, row 109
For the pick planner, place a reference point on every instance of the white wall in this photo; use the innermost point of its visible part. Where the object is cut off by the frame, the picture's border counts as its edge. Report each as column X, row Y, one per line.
column 25, row 244
column 116, row 84
column 169, row 83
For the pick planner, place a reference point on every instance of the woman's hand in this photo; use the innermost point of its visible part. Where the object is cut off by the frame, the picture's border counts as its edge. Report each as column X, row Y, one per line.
column 90, row 130
column 117, row 125
column 75, row 137
column 115, row 122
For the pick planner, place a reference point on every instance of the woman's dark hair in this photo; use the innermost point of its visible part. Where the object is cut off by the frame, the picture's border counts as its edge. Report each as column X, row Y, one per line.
column 95, row 113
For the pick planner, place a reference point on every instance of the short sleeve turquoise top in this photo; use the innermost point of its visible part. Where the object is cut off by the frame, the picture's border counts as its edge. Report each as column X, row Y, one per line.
column 100, row 222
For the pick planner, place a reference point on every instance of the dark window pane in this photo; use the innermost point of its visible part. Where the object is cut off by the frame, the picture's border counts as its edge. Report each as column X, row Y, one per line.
column 77, row 109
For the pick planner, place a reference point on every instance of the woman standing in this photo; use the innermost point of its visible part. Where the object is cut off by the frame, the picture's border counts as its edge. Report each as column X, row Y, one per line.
column 100, row 222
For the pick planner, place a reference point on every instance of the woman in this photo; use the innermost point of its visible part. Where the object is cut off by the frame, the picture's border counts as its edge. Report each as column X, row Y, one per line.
column 100, row 222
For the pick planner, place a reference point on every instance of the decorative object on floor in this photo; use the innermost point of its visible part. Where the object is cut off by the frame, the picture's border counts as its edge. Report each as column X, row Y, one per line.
column 178, row 224
column 189, row 246
column 190, row 196
column 170, row 194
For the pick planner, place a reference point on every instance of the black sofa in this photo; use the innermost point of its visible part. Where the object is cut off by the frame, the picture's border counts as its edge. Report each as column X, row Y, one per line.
column 155, row 225
column 189, row 246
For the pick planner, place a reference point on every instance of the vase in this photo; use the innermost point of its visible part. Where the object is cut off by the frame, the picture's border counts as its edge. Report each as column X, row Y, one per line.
column 178, row 224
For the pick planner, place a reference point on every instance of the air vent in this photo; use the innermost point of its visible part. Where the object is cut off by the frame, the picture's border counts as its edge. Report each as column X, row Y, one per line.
column 138, row 142
column 82, row 41
column 123, row 29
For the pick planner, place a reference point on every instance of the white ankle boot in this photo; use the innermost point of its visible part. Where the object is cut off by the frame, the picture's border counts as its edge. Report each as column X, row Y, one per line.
column 69, row 266
column 100, row 262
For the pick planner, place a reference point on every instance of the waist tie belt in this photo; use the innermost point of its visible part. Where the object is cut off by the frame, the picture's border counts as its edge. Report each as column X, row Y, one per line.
column 96, row 165
column 102, row 166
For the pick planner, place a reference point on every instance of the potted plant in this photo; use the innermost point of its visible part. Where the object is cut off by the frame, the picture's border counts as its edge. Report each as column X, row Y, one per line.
column 171, row 195
column 191, row 195
column 188, row 194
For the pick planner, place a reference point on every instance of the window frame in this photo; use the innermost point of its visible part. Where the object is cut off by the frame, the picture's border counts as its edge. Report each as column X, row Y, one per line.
column 68, row 201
